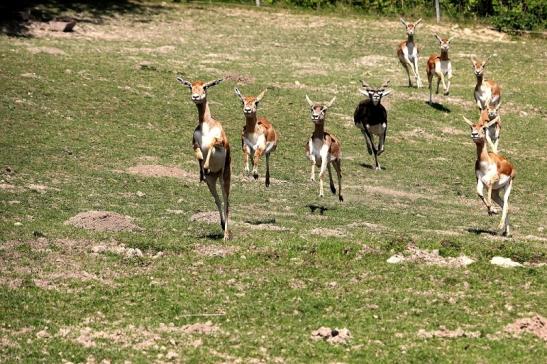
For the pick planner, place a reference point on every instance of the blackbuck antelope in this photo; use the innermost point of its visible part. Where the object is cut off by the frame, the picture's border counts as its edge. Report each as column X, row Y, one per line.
column 258, row 137
column 209, row 140
column 493, row 172
column 323, row 148
column 486, row 92
column 491, row 113
column 371, row 118
column 408, row 53
column 440, row 67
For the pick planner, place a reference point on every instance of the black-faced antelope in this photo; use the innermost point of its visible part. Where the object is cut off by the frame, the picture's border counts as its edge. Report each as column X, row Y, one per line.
column 323, row 149
column 440, row 67
column 371, row 118
column 486, row 92
column 407, row 52
column 494, row 172
column 258, row 136
column 210, row 140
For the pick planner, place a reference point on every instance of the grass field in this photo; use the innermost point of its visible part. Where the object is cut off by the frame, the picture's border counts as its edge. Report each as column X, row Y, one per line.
column 87, row 118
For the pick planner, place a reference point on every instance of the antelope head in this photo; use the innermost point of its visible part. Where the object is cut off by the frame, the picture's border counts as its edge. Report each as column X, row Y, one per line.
column 478, row 66
column 250, row 103
column 375, row 94
column 318, row 110
column 443, row 42
column 410, row 27
column 478, row 130
column 199, row 89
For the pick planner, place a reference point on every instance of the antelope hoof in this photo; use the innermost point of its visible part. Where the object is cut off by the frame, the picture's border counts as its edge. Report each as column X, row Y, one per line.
column 380, row 151
column 341, row 198
column 492, row 211
column 333, row 189
column 446, row 93
column 255, row 175
column 222, row 225
column 377, row 168
column 312, row 178
column 227, row 235
column 320, row 194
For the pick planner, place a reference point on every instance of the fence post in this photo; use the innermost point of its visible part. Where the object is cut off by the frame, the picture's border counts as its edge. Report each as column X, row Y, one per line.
column 258, row 3
column 437, row 10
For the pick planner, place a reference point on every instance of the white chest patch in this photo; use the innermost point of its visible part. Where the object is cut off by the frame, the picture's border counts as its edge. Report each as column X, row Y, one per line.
column 255, row 141
column 483, row 95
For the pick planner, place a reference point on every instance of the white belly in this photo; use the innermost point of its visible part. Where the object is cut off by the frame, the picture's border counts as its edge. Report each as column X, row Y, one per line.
column 378, row 129
column 315, row 150
column 445, row 67
column 483, row 95
column 255, row 141
column 204, row 138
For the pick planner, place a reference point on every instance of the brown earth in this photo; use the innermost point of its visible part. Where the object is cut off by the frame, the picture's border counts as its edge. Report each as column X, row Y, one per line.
column 102, row 221
column 535, row 325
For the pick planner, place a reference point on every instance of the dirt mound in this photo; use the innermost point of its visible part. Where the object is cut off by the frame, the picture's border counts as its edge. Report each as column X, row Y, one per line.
column 102, row 221
column 215, row 250
column 328, row 232
column 239, row 79
column 504, row 262
column 209, row 217
column 199, row 328
column 156, row 170
column 332, row 336
column 417, row 255
column 443, row 332
column 535, row 325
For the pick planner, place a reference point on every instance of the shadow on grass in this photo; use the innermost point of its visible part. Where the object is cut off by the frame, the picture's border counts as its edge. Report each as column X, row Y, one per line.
column 261, row 221
column 370, row 166
column 321, row 208
column 479, row 231
column 212, row 236
column 16, row 17
column 437, row 106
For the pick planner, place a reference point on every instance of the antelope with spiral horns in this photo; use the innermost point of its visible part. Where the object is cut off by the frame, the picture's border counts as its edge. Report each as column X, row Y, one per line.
column 486, row 92
column 209, row 140
column 323, row 148
column 440, row 67
column 407, row 52
column 371, row 118
column 493, row 172
column 258, row 137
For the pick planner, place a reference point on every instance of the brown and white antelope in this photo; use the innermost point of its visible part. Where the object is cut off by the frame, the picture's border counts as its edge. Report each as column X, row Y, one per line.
column 209, row 140
column 440, row 66
column 323, row 148
column 408, row 52
column 258, row 137
column 491, row 113
column 486, row 92
column 493, row 172
column 370, row 117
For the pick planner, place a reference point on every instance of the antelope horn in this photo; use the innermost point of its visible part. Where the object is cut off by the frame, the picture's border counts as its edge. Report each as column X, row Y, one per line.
column 238, row 93
column 467, row 121
column 386, row 83
column 330, row 103
column 310, row 102
column 259, row 97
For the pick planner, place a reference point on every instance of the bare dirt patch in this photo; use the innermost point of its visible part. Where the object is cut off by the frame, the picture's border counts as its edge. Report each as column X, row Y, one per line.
column 416, row 255
column 328, row 232
column 383, row 191
column 208, row 217
column 443, row 332
column 156, row 170
column 215, row 250
column 239, row 78
column 103, row 221
column 535, row 325
column 48, row 50
column 332, row 336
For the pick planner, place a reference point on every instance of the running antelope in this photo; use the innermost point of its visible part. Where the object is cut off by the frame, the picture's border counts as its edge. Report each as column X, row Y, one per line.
column 440, row 67
column 486, row 92
column 408, row 53
column 210, row 140
column 258, row 137
column 371, row 118
column 491, row 113
column 323, row 148
column 493, row 172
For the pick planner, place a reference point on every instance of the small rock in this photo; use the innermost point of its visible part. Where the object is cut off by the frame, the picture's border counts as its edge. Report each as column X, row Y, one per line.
column 395, row 259
column 505, row 262
column 140, row 194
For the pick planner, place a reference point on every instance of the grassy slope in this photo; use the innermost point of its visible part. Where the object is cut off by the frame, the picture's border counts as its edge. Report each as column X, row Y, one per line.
column 94, row 111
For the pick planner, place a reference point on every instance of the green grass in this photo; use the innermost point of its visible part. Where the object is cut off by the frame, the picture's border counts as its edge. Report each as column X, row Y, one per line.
column 75, row 122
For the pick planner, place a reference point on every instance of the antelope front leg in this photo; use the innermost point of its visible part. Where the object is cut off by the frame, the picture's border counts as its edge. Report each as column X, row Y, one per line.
column 199, row 156
column 480, row 192
column 211, row 150
column 256, row 160
column 448, row 79
column 246, row 153
column 504, row 223
column 417, row 73
column 324, row 164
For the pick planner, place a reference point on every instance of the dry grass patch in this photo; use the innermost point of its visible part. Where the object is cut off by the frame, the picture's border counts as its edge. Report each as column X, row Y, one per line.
column 215, row 250
column 156, row 170
column 445, row 333
column 103, row 221
column 416, row 255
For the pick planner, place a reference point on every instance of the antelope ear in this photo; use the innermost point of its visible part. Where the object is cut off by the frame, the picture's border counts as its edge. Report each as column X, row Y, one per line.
column 418, row 21
column 185, row 83
column 212, row 83
column 310, row 102
column 467, row 121
column 238, row 93
column 259, row 97
column 330, row 103
column 386, row 92
column 403, row 22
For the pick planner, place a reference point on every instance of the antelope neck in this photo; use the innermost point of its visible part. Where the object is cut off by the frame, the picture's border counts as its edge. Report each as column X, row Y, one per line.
column 250, row 123
column 204, row 114
column 444, row 56
column 410, row 38
column 482, row 153
column 319, row 131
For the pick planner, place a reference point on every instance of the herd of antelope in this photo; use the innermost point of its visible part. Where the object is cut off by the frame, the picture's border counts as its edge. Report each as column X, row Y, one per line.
column 259, row 138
